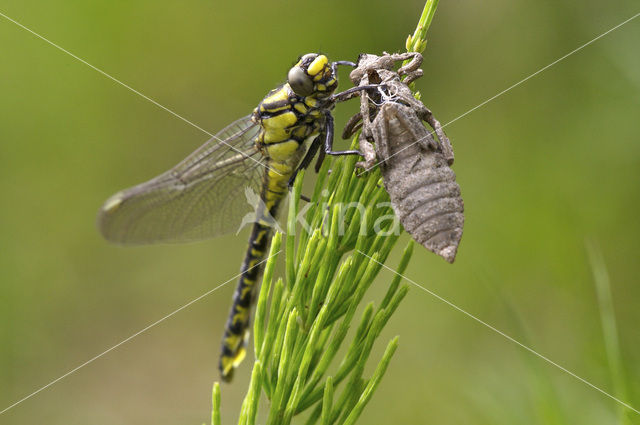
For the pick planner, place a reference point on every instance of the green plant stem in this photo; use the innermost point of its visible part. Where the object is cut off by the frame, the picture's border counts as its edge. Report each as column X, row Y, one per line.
column 215, row 401
column 303, row 320
column 609, row 327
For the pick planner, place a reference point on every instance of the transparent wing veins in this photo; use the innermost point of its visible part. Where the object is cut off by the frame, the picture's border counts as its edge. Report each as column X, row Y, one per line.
column 201, row 197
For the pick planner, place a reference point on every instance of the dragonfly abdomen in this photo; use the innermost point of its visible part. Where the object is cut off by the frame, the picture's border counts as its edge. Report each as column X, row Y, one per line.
column 286, row 121
column 237, row 327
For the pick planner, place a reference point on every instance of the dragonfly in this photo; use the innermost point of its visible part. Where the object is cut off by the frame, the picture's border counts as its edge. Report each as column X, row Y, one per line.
column 204, row 195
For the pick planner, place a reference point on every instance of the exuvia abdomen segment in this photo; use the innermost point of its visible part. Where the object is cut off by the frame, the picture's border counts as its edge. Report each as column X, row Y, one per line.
column 421, row 185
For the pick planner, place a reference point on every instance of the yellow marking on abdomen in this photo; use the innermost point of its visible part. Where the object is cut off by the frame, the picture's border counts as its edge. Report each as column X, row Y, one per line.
column 241, row 314
column 246, row 290
column 233, row 341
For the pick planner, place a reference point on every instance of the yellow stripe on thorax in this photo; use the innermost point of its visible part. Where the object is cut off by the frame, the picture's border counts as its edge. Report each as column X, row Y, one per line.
column 280, row 95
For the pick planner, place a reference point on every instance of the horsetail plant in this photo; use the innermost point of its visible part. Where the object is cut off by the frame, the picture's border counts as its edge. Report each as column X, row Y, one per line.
column 334, row 248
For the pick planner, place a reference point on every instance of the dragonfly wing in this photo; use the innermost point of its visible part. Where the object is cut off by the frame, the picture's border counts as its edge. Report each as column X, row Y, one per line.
column 201, row 197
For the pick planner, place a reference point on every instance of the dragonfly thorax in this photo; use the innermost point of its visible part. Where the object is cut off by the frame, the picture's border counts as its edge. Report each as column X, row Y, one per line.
column 294, row 111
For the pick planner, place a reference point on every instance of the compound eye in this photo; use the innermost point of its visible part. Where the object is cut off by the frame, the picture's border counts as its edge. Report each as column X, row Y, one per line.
column 300, row 82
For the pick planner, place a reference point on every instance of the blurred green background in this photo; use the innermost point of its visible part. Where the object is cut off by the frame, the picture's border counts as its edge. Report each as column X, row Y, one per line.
column 542, row 168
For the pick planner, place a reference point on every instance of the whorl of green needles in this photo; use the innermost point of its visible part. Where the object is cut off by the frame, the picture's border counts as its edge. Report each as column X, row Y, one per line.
column 302, row 319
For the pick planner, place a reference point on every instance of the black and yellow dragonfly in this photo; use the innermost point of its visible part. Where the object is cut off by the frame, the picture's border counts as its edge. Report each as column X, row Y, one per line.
column 204, row 195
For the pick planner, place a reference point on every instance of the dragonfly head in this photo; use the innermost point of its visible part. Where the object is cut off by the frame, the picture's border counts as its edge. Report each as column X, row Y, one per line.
column 313, row 75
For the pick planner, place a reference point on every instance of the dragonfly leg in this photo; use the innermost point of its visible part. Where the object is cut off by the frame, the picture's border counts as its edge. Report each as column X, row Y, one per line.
column 320, row 159
column 306, row 160
column 350, row 93
column 328, row 141
column 334, row 65
column 353, row 125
